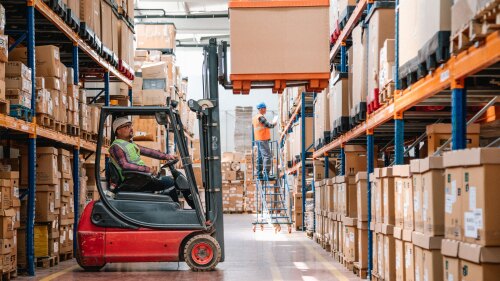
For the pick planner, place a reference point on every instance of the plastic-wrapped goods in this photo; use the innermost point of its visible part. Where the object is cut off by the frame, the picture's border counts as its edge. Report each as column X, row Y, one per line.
column 155, row 36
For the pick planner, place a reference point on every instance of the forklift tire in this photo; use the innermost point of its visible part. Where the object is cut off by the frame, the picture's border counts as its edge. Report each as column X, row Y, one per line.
column 202, row 253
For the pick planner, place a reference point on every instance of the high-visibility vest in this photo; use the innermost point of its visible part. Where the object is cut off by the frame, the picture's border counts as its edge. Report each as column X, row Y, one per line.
column 260, row 132
column 132, row 151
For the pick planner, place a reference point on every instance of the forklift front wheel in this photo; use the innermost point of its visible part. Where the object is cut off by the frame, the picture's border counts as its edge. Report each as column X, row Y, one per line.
column 202, row 253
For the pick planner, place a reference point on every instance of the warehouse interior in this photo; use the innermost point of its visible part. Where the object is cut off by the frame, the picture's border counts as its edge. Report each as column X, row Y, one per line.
column 250, row 140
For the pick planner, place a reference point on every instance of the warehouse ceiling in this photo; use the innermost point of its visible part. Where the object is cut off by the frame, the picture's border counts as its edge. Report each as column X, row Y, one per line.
column 196, row 21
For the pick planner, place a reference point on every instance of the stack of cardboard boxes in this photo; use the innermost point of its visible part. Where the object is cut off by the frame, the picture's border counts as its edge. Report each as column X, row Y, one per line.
column 361, row 262
column 471, row 248
column 4, row 55
column 10, row 217
column 18, row 84
column 243, row 128
column 233, row 185
column 67, row 204
column 250, row 186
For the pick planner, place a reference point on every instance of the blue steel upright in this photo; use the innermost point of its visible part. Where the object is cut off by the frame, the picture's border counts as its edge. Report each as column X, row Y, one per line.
column 303, row 156
column 458, row 117
column 130, row 97
column 76, row 156
column 76, row 71
column 342, row 160
column 76, row 193
column 30, row 247
column 343, row 57
column 370, row 159
column 399, row 141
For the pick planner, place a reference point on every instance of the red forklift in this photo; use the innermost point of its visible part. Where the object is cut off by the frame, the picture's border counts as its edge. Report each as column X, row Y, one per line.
column 125, row 227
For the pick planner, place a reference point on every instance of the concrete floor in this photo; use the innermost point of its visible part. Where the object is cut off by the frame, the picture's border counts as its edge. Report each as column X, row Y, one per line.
column 249, row 256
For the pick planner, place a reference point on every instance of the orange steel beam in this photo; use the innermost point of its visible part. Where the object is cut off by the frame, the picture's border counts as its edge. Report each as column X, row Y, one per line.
column 16, row 125
column 353, row 20
column 466, row 63
column 64, row 28
column 280, row 76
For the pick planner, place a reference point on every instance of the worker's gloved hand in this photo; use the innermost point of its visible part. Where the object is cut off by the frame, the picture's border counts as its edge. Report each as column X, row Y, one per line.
column 170, row 157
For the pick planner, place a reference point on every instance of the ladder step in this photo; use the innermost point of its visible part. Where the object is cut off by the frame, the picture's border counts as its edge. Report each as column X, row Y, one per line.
column 276, row 209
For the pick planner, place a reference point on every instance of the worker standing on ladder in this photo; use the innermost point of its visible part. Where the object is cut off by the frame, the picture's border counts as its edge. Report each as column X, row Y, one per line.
column 262, row 135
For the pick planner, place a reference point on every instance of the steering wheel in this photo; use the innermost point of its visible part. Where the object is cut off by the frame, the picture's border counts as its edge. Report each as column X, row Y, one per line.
column 170, row 164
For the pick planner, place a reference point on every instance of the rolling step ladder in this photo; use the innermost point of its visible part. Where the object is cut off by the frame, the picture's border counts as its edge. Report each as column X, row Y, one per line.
column 271, row 200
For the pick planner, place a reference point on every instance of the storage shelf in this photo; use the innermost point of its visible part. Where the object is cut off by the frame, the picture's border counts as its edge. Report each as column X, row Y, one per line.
column 22, row 126
column 466, row 63
column 50, row 15
column 346, row 31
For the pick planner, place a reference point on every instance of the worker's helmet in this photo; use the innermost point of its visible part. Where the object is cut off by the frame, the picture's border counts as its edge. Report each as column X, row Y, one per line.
column 120, row 122
column 261, row 105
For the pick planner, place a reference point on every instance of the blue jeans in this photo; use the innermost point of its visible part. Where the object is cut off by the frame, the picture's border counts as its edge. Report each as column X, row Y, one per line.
column 264, row 157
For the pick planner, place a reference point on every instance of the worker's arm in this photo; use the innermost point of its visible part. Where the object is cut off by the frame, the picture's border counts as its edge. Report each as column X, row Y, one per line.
column 121, row 158
column 155, row 154
column 264, row 122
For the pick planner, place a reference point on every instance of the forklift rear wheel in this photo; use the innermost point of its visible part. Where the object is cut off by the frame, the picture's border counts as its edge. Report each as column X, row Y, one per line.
column 202, row 253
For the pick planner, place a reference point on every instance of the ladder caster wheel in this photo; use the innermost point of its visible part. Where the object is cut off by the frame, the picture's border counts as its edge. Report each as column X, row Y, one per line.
column 289, row 229
column 254, row 228
column 261, row 227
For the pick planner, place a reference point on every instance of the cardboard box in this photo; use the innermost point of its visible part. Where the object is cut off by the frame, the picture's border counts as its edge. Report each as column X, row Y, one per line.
column 350, row 248
column 386, row 63
column 388, row 196
column 154, row 97
column 438, row 134
column 428, row 265
column 45, row 209
column 363, row 248
column 400, row 262
column 409, row 261
column 157, row 70
column 4, row 48
column 389, row 257
column 7, row 225
column 339, row 106
column 52, row 83
column 47, row 60
column 147, row 129
column 362, row 193
column 6, row 246
column 380, row 28
column 20, row 83
column 64, row 163
column 288, row 26
column 156, row 36
column 359, row 65
column 17, row 69
column 480, row 197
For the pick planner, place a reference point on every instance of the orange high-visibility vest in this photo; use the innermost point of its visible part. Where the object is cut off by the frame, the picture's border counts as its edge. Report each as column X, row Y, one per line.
column 260, row 132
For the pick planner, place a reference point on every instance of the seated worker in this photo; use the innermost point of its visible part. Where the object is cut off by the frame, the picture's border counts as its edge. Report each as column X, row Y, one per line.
column 126, row 156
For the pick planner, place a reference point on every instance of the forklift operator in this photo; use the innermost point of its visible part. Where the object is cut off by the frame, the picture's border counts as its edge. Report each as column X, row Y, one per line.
column 126, row 156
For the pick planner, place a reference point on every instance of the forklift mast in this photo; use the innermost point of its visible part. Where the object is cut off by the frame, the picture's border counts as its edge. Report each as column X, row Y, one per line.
column 207, row 111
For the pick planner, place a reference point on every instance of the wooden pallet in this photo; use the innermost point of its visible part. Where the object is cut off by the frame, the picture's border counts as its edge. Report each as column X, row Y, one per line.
column 348, row 264
column 60, row 127
column 45, row 120
column 73, row 130
column 360, row 272
column 486, row 21
column 46, row 262
column 65, row 256
column 9, row 275
column 387, row 93
column 86, row 136
column 4, row 107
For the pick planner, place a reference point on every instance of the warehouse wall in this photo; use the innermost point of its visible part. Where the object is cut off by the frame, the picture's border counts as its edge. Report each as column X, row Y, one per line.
column 190, row 61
